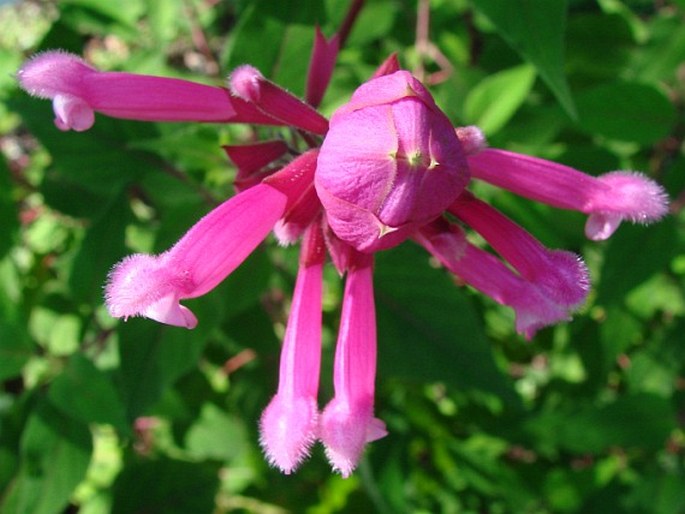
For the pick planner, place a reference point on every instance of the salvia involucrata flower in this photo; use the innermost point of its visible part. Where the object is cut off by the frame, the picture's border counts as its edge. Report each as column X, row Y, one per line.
column 388, row 166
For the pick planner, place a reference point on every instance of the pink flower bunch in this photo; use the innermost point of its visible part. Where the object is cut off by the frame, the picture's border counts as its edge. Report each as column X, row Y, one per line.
column 388, row 166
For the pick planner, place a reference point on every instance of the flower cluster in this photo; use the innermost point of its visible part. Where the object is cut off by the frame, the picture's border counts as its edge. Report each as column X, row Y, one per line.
column 388, row 166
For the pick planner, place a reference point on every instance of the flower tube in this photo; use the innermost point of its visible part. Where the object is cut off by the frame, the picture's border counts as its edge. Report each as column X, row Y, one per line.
column 607, row 199
column 347, row 422
column 78, row 90
column 289, row 425
column 535, row 308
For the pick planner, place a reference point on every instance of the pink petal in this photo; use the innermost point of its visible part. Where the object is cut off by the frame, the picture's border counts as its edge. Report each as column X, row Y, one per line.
column 608, row 199
column 252, row 158
column 347, row 423
column 472, row 139
column 387, row 67
column 321, row 67
column 78, row 89
column 248, row 84
column 630, row 196
column 151, row 286
column 561, row 273
column 289, row 425
column 537, row 303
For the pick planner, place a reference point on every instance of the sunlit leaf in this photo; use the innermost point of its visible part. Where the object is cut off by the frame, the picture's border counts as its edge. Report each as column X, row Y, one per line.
column 495, row 100
column 536, row 30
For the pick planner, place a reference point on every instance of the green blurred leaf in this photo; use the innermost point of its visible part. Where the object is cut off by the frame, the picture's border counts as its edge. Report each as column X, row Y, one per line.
column 427, row 328
column 101, row 248
column 55, row 452
column 636, row 421
column 86, row 394
column 16, row 347
column 627, row 111
column 536, row 31
column 375, row 21
column 217, row 435
column 165, row 486
column 102, row 15
column 494, row 100
column 154, row 356
column 635, row 254
column 90, row 160
column 287, row 26
column 9, row 220
column 164, row 16
column 598, row 46
column 660, row 59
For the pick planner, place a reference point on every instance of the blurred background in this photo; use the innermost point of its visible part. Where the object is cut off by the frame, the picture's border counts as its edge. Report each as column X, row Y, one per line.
column 101, row 416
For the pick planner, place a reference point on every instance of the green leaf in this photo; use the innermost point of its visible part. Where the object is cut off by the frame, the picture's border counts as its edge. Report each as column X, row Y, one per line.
column 287, row 25
column 55, row 453
column 626, row 111
column 634, row 255
column 16, row 347
column 495, row 100
column 536, row 31
column 428, row 329
column 217, row 435
column 102, row 15
column 165, row 486
column 153, row 357
column 102, row 247
column 164, row 17
column 86, row 394
column 9, row 221
column 89, row 161
column 597, row 428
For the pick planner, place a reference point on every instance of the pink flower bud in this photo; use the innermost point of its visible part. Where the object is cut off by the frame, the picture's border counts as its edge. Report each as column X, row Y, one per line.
column 390, row 163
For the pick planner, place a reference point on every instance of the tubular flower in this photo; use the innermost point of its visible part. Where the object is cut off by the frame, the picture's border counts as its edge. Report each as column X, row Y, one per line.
column 389, row 166
column 347, row 422
column 289, row 425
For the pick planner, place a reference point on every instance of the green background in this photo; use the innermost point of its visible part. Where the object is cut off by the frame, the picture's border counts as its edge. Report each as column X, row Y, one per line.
column 100, row 416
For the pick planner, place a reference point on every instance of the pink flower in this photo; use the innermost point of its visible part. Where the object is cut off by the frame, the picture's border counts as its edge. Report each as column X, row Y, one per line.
column 289, row 425
column 77, row 90
column 347, row 422
column 390, row 167
column 608, row 199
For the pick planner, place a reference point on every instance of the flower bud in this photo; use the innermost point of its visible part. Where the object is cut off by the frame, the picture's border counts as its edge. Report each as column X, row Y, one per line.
column 390, row 163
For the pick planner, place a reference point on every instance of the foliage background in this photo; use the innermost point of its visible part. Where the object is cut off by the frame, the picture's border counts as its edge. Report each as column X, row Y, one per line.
column 98, row 416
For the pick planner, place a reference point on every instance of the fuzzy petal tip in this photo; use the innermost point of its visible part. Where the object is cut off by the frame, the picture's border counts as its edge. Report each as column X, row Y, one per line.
column 630, row 196
column 288, row 431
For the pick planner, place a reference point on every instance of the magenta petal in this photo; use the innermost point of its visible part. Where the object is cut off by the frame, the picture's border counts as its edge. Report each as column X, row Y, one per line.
column 347, row 423
column 77, row 89
column 248, row 84
column 321, row 66
column 536, row 303
column 289, row 425
column 387, row 67
column 72, row 113
column 630, row 196
column 607, row 199
column 472, row 139
column 252, row 158
column 289, row 428
column 151, row 286
column 562, row 273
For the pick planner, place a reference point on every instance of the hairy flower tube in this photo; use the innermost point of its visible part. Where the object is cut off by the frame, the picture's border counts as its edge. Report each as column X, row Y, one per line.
column 388, row 166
